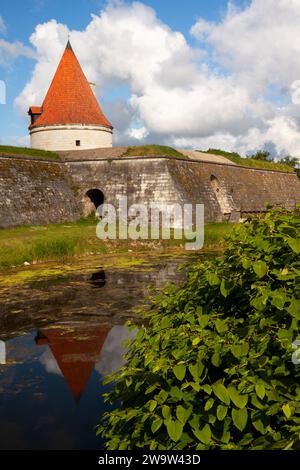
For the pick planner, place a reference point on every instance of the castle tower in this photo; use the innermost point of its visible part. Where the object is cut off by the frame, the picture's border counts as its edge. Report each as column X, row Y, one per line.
column 70, row 117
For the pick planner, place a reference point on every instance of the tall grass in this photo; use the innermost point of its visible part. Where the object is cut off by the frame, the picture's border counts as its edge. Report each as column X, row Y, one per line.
column 61, row 241
column 39, row 250
column 57, row 248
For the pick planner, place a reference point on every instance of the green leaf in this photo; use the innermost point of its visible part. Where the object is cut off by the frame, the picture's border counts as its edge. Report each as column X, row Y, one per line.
column 207, row 388
column 179, row 372
column 294, row 309
column 240, row 350
column 174, row 429
column 213, row 279
column 182, row 414
column 196, row 371
column 287, row 410
column 260, row 268
column 239, row 400
column 221, row 326
column 152, row 405
column 278, row 299
column 259, row 425
column 294, row 243
column 156, row 424
column 204, row 435
column 203, row 320
column 196, row 341
column 209, row 404
column 221, row 392
column 246, row 263
column 260, row 391
column 216, row 359
column 223, row 288
column 175, row 392
column 240, row 418
column 259, row 303
column 166, row 412
column 221, row 412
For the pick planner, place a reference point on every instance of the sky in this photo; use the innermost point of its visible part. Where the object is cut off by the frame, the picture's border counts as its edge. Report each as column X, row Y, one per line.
column 195, row 74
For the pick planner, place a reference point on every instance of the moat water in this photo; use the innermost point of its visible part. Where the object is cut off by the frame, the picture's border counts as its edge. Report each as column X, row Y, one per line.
column 62, row 331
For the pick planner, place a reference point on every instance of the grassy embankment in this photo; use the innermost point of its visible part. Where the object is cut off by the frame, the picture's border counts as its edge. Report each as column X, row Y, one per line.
column 35, row 244
column 152, row 150
column 250, row 162
column 28, row 152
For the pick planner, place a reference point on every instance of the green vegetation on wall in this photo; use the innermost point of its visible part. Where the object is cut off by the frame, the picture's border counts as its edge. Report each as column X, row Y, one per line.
column 211, row 367
column 250, row 161
column 28, row 152
column 152, row 150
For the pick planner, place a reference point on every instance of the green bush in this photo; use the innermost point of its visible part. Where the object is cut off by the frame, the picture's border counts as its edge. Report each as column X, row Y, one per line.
column 211, row 367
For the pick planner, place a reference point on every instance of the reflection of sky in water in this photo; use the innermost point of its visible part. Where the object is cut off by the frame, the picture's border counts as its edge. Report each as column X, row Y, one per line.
column 2, row 352
column 37, row 409
column 113, row 350
column 50, row 386
column 50, row 363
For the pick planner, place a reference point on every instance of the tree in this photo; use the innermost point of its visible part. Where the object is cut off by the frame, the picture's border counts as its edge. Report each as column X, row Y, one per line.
column 262, row 155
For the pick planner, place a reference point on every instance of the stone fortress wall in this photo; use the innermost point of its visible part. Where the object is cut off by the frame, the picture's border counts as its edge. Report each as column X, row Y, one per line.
column 40, row 192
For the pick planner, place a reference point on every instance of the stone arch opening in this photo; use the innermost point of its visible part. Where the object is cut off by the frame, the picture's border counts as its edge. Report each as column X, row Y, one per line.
column 96, row 196
column 93, row 199
column 221, row 195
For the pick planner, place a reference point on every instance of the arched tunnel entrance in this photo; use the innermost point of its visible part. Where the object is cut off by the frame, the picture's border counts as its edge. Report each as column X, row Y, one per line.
column 222, row 197
column 92, row 200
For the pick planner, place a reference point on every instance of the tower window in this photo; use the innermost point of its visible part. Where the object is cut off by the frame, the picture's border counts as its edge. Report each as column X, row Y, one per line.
column 77, row 143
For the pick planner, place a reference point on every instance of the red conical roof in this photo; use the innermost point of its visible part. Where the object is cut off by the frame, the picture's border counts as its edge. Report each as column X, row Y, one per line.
column 70, row 99
column 76, row 352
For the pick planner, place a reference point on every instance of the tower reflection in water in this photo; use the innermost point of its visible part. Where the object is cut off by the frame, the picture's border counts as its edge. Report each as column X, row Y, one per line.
column 76, row 349
column 79, row 347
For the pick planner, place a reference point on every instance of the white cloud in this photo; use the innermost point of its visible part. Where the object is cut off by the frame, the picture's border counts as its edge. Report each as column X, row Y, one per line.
column 2, row 26
column 18, row 141
column 10, row 51
column 260, row 44
column 234, row 91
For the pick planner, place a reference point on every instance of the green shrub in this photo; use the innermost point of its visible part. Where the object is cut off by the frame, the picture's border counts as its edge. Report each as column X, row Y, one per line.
column 211, row 367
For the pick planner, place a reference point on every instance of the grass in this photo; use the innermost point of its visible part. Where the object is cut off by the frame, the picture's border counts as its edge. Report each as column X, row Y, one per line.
column 152, row 150
column 250, row 162
column 28, row 152
column 35, row 244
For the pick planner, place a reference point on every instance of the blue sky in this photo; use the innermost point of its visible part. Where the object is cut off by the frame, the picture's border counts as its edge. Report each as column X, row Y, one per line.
column 230, row 80
column 21, row 19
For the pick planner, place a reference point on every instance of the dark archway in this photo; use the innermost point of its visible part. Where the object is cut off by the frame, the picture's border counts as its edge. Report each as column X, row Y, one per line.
column 96, row 196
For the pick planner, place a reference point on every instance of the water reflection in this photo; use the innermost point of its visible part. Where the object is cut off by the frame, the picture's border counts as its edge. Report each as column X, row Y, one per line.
column 61, row 339
column 76, row 350
column 98, row 278
column 2, row 352
column 50, row 389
